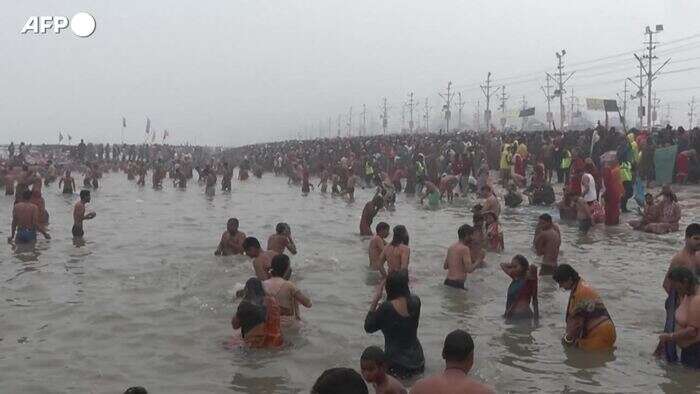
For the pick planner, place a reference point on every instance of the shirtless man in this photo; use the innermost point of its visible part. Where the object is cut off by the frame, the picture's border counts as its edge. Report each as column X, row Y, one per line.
column 231, row 240
column 584, row 214
column 396, row 254
column 281, row 240
column 377, row 244
column 458, row 353
column 432, row 192
column 79, row 214
column 9, row 181
column 210, row 189
column 226, row 178
column 25, row 221
column 447, row 185
column 350, row 187
column 491, row 203
column 458, row 261
column 368, row 214
column 689, row 256
column 373, row 365
column 67, row 182
column 262, row 259
column 546, row 243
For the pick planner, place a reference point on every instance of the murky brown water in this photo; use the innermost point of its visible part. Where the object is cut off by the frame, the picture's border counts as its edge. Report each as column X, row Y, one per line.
column 145, row 301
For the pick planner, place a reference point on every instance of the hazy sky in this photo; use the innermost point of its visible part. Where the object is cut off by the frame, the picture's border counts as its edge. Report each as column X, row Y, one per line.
column 235, row 72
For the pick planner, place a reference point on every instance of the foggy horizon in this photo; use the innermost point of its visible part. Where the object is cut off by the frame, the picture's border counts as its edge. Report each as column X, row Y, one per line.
column 235, row 73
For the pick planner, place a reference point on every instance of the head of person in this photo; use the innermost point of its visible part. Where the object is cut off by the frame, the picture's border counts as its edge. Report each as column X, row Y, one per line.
column 486, row 191
column 692, row 237
column 136, row 390
column 373, row 364
column 521, row 263
column 280, row 265
column 26, row 195
column 85, row 195
column 397, row 285
column 566, row 276
column 281, row 228
column 668, row 194
column 544, row 220
column 478, row 220
column 648, row 199
column 251, row 247
column 232, row 225
column 340, row 381
column 458, row 350
column 682, row 280
column 464, row 233
column 382, row 229
column 400, row 235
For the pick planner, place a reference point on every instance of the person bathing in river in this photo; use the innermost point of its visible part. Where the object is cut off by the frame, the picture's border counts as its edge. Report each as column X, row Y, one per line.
column 686, row 330
column 588, row 323
column 281, row 240
column 258, row 317
column 458, row 261
column 668, row 213
column 493, row 233
column 373, row 365
column 262, row 259
column 377, row 244
column 67, row 182
column 447, row 186
column 432, row 193
column 25, row 221
column 231, row 240
column 286, row 294
column 476, row 246
column 397, row 254
column 584, row 214
column 522, row 291
column 546, row 243
column 368, row 213
column 490, row 203
column 79, row 215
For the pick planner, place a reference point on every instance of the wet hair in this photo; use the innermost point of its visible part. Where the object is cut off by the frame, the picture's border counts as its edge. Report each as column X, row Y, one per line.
column 280, row 265
column 375, row 354
column 397, row 285
column 340, row 381
column 84, row 194
column 546, row 217
column 458, row 346
column 251, row 242
column 565, row 272
column 692, row 230
column 464, row 230
column 232, row 220
column 683, row 275
column 281, row 227
column 522, row 261
column 382, row 226
column 378, row 201
column 136, row 390
column 400, row 235
column 27, row 195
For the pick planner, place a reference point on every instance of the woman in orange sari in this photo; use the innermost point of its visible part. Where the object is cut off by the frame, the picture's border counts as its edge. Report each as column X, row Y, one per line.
column 258, row 317
column 588, row 324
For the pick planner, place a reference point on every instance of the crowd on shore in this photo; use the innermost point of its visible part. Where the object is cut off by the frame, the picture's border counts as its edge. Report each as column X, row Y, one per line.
column 599, row 172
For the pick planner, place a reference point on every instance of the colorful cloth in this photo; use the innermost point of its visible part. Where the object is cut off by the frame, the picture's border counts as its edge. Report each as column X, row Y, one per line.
column 585, row 303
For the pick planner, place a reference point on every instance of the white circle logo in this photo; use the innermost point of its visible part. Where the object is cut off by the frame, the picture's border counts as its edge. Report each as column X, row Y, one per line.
column 82, row 24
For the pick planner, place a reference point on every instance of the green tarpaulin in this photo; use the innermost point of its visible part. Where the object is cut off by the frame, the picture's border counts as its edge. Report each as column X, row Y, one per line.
column 664, row 161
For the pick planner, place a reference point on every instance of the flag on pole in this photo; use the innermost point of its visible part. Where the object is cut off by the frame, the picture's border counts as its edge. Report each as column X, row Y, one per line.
column 165, row 135
column 148, row 125
column 69, row 138
column 60, row 137
column 123, row 121
column 153, row 138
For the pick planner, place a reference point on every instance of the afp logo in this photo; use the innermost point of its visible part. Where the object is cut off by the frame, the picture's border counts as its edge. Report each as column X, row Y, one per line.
column 82, row 24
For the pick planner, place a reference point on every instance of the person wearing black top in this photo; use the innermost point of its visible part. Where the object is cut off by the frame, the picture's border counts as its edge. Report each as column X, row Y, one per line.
column 397, row 318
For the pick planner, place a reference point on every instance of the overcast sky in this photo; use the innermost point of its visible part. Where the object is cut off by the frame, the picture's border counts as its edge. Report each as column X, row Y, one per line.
column 235, row 72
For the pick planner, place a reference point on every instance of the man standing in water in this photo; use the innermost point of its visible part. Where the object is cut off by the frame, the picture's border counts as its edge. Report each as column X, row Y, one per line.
column 226, row 178
column 231, row 240
column 547, row 242
column 281, row 240
column 79, row 214
column 67, row 182
column 458, row 261
column 491, row 203
column 377, row 244
column 25, row 220
column 458, row 353
column 210, row 189
column 368, row 214
column 262, row 259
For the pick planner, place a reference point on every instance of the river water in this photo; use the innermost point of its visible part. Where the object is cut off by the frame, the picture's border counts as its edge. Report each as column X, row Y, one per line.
column 145, row 301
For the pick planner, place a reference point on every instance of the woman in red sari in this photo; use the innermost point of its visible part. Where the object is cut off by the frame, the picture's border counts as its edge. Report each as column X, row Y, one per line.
column 576, row 169
column 612, row 189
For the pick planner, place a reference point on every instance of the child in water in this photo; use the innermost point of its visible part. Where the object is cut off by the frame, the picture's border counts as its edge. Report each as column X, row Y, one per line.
column 373, row 366
column 494, row 234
